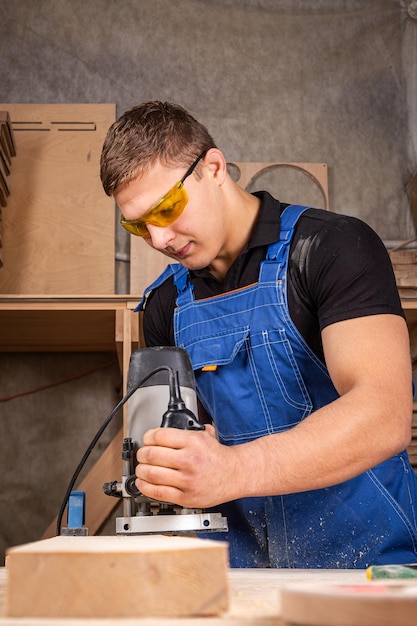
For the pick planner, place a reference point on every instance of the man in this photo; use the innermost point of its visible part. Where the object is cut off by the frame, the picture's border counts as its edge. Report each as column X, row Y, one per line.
column 300, row 350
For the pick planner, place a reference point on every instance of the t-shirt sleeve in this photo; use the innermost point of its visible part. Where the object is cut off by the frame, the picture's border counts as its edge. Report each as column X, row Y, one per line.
column 158, row 316
column 348, row 272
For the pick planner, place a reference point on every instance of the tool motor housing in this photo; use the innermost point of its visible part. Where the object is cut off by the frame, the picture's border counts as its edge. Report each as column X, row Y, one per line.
column 149, row 403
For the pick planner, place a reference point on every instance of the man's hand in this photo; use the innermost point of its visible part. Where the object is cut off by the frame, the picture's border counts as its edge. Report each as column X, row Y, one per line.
column 188, row 468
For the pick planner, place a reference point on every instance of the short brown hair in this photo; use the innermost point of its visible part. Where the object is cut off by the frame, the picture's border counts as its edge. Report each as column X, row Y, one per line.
column 150, row 132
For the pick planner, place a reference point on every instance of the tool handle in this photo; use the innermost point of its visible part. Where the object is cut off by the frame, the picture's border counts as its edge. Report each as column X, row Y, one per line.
column 183, row 419
column 177, row 415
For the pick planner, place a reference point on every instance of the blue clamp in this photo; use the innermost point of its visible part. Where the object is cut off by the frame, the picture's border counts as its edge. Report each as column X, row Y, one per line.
column 76, row 510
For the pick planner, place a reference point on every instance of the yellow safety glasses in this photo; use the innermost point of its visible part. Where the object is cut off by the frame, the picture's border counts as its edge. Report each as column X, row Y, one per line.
column 166, row 210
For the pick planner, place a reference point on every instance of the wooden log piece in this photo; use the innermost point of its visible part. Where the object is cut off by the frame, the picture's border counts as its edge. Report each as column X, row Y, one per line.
column 386, row 603
column 117, row 576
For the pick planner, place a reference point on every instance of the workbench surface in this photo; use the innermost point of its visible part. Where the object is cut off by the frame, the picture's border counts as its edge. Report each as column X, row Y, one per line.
column 254, row 600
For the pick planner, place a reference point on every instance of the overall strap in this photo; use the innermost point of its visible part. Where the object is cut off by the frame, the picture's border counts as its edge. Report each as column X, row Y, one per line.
column 185, row 289
column 276, row 258
column 175, row 269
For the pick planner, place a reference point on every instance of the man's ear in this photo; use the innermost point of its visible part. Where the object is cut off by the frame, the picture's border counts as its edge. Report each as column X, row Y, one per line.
column 216, row 165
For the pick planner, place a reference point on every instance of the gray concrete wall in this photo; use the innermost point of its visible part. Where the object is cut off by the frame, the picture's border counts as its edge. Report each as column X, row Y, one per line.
column 273, row 80
column 44, row 434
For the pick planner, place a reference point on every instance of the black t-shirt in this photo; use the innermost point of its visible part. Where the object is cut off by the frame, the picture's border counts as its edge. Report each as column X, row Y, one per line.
column 338, row 269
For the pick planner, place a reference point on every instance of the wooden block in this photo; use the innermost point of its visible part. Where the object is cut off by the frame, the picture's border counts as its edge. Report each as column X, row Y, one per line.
column 369, row 604
column 117, row 576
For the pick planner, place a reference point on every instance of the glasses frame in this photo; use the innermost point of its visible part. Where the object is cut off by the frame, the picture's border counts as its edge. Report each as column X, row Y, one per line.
column 138, row 226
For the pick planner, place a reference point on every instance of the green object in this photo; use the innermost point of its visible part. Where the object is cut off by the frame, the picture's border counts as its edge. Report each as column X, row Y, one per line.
column 377, row 572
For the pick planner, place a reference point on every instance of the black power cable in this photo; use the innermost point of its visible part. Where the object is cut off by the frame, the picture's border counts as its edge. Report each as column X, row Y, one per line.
column 97, row 437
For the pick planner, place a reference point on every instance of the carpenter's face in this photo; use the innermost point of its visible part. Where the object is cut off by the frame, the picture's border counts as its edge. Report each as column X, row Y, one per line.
column 196, row 237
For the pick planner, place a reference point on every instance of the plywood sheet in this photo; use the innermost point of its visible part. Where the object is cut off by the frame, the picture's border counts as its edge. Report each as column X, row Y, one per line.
column 136, row 576
column 145, row 264
column 58, row 226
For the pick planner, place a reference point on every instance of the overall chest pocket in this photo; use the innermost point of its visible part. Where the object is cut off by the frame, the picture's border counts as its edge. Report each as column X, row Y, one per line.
column 250, row 382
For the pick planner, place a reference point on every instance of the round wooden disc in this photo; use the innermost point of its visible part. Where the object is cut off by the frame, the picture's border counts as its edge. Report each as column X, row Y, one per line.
column 370, row 604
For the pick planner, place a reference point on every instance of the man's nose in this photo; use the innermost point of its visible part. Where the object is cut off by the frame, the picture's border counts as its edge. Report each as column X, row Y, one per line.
column 160, row 236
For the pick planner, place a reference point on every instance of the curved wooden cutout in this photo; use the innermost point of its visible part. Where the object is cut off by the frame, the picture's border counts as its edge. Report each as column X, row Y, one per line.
column 248, row 171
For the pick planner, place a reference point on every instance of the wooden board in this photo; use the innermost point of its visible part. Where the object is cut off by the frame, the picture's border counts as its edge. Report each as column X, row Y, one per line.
column 113, row 577
column 254, row 600
column 371, row 604
column 58, row 226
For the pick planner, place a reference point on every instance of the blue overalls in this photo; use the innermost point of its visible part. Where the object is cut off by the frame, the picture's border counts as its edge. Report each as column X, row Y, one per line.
column 265, row 379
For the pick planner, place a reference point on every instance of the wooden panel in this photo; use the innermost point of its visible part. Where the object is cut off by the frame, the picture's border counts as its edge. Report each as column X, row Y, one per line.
column 118, row 577
column 145, row 264
column 58, row 228
column 317, row 172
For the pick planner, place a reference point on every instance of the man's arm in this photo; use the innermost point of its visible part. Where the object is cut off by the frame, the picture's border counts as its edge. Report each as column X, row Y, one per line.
column 369, row 363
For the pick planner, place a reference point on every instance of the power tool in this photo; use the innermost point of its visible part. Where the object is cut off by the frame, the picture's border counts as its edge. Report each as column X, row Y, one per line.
column 163, row 386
